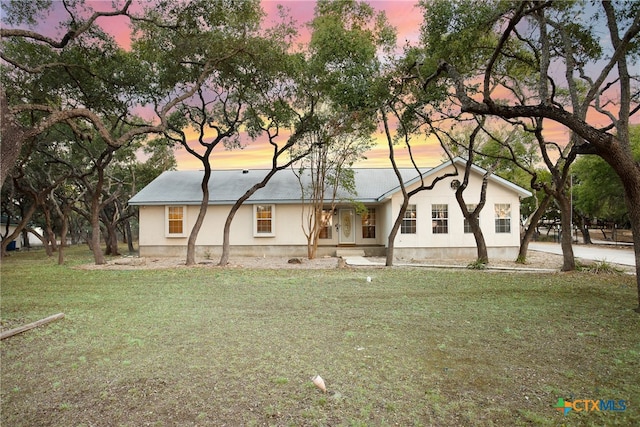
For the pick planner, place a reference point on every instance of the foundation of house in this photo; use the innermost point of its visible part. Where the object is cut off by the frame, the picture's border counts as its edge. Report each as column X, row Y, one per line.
column 212, row 252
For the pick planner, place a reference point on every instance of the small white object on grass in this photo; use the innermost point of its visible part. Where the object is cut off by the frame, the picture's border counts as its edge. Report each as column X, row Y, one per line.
column 369, row 279
column 319, row 382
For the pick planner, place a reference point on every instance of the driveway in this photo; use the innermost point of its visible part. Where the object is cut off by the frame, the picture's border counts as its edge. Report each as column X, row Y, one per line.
column 618, row 255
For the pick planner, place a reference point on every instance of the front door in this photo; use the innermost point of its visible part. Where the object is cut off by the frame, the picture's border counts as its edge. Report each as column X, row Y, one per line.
column 347, row 226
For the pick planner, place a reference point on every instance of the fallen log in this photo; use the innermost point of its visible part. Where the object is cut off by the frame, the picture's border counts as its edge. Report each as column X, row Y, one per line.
column 15, row 331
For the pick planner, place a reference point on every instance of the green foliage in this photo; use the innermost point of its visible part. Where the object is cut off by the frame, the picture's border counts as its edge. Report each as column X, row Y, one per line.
column 598, row 191
column 461, row 31
column 600, row 267
column 346, row 37
column 477, row 265
column 194, row 36
column 17, row 12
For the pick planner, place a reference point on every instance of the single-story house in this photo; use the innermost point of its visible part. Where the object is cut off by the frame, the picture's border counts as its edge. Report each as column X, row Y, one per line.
column 270, row 222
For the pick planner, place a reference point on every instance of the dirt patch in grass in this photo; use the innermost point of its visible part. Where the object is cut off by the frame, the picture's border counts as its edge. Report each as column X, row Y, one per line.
column 535, row 260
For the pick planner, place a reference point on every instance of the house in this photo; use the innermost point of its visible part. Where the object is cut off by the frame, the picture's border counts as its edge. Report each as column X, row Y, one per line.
column 8, row 226
column 269, row 223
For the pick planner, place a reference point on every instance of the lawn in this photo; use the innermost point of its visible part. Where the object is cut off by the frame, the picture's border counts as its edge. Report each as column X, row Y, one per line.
column 210, row 346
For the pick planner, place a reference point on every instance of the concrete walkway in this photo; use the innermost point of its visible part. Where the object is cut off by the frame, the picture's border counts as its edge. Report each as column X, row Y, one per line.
column 619, row 255
column 360, row 261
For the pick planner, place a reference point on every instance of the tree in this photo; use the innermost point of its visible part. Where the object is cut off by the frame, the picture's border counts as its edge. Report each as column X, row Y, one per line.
column 201, row 118
column 275, row 112
column 404, row 133
column 34, row 185
column 597, row 191
column 471, row 212
column 325, row 173
column 516, row 157
column 78, row 79
column 346, row 36
column 216, row 47
column 85, row 82
column 523, row 40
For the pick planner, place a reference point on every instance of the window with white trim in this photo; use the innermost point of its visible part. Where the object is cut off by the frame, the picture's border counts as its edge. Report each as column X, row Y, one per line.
column 409, row 219
column 503, row 217
column 175, row 225
column 263, row 225
column 439, row 219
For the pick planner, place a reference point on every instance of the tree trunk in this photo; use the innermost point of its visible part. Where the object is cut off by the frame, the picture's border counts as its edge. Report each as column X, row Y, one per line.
column 113, row 235
column 315, row 235
column 25, row 240
column 226, row 236
column 226, row 242
column 533, row 225
column 204, row 205
column 63, row 234
column 568, row 259
column 94, row 243
column 634, row 214
column 49, row 235
column 111, row 238
column 12, row 138
column 309, row 246
column 631, row 182
column 405, row 197
column 621, row 160
column 94, row 240
column 21, row 226
column 394, row 232
column 584, row 230
column 129, row 236
column 46, row 243
column 481, row 244
column 193, row 236
column 472, row 217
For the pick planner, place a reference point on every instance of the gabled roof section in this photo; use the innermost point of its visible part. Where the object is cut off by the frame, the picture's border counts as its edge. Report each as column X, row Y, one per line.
column 522, row 192
column 460, row 163
column 227, row 186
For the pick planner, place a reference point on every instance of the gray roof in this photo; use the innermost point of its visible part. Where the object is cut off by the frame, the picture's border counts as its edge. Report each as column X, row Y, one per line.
column 227, row 186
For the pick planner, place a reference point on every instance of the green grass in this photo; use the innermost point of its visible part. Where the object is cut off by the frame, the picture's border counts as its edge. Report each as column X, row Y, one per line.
column 212, row 346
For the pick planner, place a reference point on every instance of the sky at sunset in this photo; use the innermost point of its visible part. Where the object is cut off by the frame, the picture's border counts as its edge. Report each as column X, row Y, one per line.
column 402, row 14
column 406, row 18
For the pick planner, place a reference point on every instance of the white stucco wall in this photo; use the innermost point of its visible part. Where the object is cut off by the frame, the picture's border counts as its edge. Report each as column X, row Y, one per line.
column 442, row 193
column 288, row 233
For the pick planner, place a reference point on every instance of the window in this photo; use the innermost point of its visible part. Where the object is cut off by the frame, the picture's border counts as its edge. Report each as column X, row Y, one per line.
column 369, row 224
column 175, row 224
column 467, row 226
column 327, row 224
column 408, row 225
column 503, row 218
column 440, row 219
column 263, row 225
